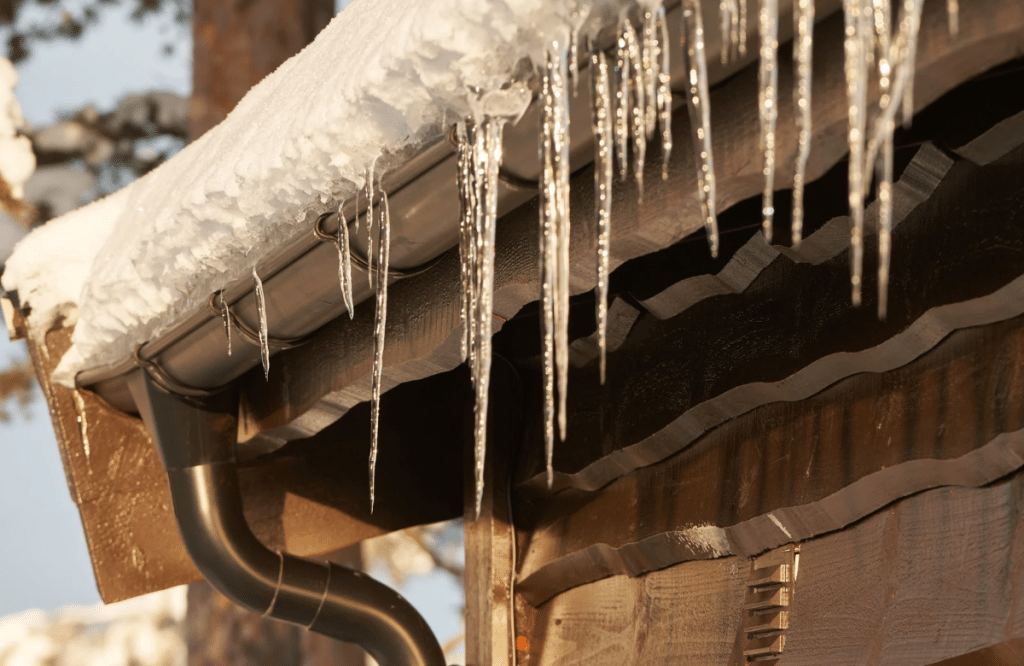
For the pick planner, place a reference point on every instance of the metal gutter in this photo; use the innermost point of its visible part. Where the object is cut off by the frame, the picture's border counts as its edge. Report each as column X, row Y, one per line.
column 300, row 279
column 196, row 441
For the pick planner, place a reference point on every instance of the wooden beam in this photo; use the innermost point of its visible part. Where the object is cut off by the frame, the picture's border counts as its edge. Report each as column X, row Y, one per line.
column 490, row 537
column 934, row 577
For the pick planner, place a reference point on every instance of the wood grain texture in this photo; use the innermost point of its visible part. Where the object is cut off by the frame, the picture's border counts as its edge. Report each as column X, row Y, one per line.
column 311, row 387
column 934, row 577
column 791, row 333
column 946, row 405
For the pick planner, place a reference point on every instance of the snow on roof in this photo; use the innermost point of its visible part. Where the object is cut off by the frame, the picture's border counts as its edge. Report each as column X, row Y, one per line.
column 380, row 79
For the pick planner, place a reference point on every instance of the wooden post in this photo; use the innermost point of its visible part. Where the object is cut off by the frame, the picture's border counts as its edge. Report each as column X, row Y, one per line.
column 489, row 537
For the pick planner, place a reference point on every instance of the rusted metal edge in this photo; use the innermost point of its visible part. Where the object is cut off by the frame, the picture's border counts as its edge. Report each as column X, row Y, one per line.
column 1000, row 457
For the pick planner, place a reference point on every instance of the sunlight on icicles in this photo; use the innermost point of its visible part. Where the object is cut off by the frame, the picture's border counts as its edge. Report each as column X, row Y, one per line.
column 479, row 158
column 261, row 313
column 699, row 106
column 768, row 102
column 603, row 178
column 379, row 327
column 803, row 50
column 344, row 261
column 554, row 246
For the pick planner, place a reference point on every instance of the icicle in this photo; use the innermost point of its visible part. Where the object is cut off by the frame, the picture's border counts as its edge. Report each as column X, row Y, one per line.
column 729, row 10
column 369, row 220
column 700, row 115
column 603, row 176
column 554, row 245
column 651, row 59
column 883, row 36
column 803, row 48
column 225, row 313
column 637, row 105
column 953, row 10
column 857, row 47
column 664, row 97
column 574, row 59
column 479, row 158
column 379, row 325
column 623, row 101
column 768, row 82
column 467, row 254
column 896, row 75
column 908, row 37
column 261, row 313
column 743, row 27
column 344, row 261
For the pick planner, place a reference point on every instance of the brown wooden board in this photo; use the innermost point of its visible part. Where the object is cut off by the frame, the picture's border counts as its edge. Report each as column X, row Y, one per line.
column 934, row 577
column 949, row 403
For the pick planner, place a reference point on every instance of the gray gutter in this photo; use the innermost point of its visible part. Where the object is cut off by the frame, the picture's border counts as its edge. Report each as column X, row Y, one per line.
column 300, row 279
column 196, row 441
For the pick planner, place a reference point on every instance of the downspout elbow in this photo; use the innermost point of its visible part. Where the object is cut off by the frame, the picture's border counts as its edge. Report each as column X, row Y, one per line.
column 197, row 446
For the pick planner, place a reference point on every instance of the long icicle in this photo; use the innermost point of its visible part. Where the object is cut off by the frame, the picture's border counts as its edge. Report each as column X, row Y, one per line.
column 651, row 58
column 803, row 51
column 467, row 248
column 857, row 46
column 637, row 105
column 225, row 313
column 344, row 261
column 623, row 101
column 554, row 246
column 261, row 313
column 603, row 175
column 488, row 153
column 883, row 37
column 379, row 327
column 768, row 83
column 900, row 64
column 699, row 106
column 664, row 96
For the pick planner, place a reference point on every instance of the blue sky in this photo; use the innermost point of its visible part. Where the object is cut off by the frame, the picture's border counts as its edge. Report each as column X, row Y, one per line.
column 43, row 559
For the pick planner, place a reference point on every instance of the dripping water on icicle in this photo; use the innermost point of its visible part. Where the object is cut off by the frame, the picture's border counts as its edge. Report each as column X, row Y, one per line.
column 651, row 59
column 803, row 50
column 664, row 97
column 603, row 177
column 261, row 313
column 225, row 313
column 479, row 159
column 344, row 261
column 554, row 244
column 699, row 106
column 768, row 112
column 379, row 325
column 574, row 59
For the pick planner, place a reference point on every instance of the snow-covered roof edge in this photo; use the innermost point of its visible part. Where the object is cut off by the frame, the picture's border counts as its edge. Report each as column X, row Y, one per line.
column 136, row 262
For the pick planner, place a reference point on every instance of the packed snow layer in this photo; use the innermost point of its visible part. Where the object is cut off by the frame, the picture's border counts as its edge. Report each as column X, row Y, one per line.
column 380, row 79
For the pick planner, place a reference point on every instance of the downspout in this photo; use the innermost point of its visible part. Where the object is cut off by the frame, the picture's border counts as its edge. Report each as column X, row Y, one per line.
column 196, row 441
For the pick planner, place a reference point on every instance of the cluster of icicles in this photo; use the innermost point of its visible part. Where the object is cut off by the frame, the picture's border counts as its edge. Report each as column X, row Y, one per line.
column 632, row 100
